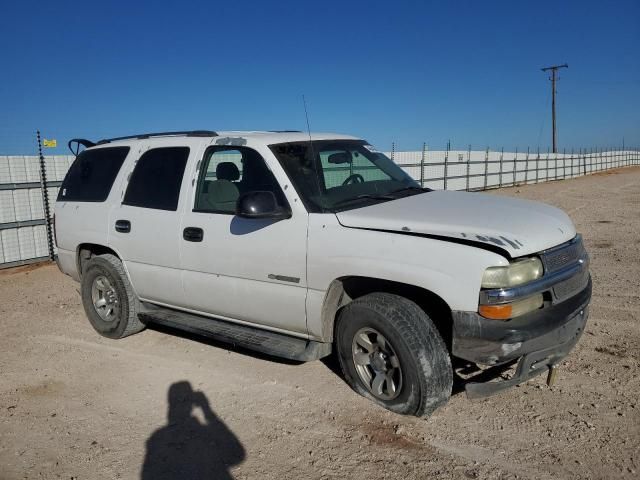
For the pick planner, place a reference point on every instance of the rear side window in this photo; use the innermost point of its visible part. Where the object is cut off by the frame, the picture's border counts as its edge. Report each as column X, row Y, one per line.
column 92, row 174
column 155, row 182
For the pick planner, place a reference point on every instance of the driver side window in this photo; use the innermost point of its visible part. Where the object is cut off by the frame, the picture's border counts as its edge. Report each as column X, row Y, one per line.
column 352, row 167
column 226, row 173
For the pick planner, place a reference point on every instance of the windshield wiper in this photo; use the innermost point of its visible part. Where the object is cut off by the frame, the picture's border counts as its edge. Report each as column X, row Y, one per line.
column 409, row 189
column 364, row 195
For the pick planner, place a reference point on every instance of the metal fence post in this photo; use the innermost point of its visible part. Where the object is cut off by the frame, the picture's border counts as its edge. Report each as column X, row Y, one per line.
column 486, row 167
column 515, row 166
column 393, row 149
column 45, row 198
column 564, row 163
column 571, row 158
column 500, row 171
column 446, row 165
column 468, row 166
column 537, row 163
column 546, row 168
column 526, row 167
column 424, row 154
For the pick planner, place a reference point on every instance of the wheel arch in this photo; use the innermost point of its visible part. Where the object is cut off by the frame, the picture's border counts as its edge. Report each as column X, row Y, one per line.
column 344, row 290
column 86, row 251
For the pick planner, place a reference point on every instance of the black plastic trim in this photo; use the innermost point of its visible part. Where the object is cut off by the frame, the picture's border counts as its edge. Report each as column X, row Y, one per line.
column 140, row 136
column 123, row 226
column 193, row 234
column 79, row 141
column 264, row 341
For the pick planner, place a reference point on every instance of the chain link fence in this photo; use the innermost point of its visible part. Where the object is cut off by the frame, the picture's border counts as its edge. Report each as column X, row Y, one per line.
column 29, row 184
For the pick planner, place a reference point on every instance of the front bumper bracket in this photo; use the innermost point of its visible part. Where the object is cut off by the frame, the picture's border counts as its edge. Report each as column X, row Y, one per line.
column 533, row 363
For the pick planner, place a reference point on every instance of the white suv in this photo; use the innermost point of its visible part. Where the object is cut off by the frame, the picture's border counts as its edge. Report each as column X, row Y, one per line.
column 298, row 245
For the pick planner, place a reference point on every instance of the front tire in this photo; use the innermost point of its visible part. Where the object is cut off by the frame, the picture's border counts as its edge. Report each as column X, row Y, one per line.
column 108, row 298
column 391, row 352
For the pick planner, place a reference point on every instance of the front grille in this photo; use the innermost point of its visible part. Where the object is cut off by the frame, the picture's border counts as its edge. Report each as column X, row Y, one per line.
column 560, row 257
column 571, row 286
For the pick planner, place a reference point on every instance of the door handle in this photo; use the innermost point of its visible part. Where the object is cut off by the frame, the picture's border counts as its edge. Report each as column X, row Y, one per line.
column 123, row 226
column 193, row 234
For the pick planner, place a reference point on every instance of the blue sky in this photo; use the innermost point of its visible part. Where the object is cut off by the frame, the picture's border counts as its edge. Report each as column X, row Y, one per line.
column 465, row 71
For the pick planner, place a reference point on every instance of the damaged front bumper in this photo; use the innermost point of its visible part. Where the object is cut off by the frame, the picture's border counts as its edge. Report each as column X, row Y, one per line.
column 538, row 340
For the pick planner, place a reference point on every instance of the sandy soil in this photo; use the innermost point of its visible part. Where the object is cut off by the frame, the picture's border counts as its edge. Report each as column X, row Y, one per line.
column 75, row 405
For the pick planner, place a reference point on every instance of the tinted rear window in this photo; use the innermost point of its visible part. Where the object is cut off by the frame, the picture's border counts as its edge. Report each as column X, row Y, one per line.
column 155, row 182
column 92, row 174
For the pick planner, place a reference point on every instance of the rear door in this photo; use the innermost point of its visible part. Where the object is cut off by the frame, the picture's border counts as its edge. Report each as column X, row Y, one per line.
column 84, row 201
column 145, row 227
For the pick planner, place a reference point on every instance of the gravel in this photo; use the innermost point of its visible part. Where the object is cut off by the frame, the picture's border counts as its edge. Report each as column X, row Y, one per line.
column 76, row 405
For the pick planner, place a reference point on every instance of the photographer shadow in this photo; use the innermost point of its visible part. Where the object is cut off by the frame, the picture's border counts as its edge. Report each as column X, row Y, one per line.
column 188, row 449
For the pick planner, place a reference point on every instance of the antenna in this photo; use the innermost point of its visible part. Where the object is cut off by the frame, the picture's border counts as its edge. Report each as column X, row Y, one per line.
column 312, row 153
column 306, row 114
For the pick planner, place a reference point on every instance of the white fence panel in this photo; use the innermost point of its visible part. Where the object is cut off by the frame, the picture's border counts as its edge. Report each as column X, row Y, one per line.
column 21, row 194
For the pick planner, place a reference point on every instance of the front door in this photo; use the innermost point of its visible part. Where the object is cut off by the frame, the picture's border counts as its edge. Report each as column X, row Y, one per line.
column 246, row 270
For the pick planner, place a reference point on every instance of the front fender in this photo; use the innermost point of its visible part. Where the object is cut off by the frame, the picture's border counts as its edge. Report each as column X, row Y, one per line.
column 450, row 270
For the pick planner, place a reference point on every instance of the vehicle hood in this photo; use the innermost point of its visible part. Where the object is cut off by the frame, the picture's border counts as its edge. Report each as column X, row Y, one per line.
column 518, row 227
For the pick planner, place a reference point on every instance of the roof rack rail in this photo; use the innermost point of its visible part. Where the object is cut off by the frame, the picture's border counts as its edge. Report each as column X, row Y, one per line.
column 188, row 133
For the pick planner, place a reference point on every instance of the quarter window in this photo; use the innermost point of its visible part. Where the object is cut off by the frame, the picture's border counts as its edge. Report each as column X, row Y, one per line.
column 92, row 174
column 155, row 182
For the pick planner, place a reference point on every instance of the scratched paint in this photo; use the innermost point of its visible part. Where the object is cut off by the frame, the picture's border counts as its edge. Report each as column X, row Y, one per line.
column 515, row 244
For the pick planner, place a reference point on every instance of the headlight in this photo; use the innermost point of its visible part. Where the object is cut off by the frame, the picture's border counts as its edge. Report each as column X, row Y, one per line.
column 517, row 273
column 511, row 310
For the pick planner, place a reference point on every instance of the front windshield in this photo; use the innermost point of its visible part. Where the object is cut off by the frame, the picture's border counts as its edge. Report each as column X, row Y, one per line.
column 336, row 175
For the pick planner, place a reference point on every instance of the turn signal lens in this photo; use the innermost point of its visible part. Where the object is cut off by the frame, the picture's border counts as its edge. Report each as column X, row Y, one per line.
column 496, row 312
column 508, row 311
column 517, row 273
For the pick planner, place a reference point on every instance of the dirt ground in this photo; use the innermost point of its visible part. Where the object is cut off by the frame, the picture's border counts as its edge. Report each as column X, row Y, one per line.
column 75, row 405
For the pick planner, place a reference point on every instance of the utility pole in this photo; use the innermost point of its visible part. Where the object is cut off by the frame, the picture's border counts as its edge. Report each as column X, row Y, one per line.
column 553, row 78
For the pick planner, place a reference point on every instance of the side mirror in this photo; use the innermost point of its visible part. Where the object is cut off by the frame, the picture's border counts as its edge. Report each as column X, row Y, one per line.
column 260, row 204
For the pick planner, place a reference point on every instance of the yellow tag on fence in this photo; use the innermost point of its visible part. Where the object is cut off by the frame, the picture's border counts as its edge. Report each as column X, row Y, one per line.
column 49, row 143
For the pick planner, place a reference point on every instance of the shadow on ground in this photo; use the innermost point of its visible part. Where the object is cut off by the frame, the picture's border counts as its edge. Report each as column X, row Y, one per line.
column 470, row 372
column 188, row 449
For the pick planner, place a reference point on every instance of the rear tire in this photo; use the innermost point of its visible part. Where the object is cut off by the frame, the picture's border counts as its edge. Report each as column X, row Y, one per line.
column 108, row 298
column 391, row 353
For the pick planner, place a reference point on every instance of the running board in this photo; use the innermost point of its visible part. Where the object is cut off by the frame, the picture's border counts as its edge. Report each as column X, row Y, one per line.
column 264, row 341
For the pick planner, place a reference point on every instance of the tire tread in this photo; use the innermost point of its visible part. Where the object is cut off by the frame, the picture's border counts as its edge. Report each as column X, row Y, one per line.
column 421, row 337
